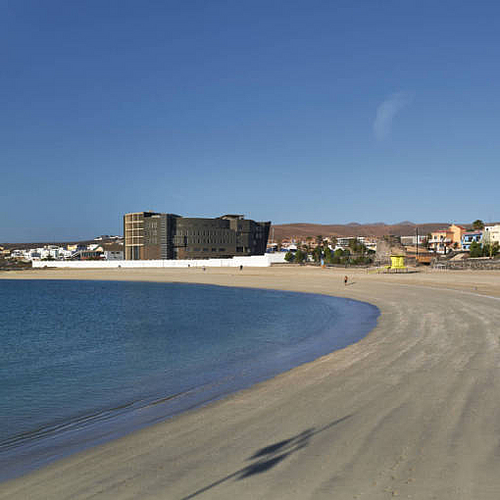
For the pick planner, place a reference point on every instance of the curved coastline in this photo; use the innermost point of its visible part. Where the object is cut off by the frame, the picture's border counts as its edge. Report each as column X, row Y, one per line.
column 352, row 321
column 411, row 410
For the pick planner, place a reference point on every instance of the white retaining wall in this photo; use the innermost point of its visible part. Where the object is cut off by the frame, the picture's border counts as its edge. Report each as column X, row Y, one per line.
column 253, row 261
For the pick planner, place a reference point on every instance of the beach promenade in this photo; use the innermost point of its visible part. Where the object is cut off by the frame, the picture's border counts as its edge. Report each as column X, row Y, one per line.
column 411, row 411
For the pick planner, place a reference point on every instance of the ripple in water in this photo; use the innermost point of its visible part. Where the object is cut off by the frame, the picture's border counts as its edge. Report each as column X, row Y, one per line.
column 82, row 362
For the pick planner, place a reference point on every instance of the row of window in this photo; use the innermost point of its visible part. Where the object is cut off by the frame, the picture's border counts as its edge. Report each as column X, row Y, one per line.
column 188, row 232
column 238, row 249
column 205, row 249
column 202, row 241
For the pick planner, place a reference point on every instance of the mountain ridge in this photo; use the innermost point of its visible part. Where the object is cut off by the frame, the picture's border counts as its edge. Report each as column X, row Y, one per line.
column 377, row 229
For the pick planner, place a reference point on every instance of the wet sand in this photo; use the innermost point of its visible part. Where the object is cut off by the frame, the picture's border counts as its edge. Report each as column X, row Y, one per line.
column 411, row 411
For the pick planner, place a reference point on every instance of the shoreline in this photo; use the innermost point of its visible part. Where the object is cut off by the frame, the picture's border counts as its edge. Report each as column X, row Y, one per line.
column 102, row 425
column 408, row 410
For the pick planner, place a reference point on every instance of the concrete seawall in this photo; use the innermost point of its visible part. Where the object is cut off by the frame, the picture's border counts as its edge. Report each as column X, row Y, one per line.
column 253, row 261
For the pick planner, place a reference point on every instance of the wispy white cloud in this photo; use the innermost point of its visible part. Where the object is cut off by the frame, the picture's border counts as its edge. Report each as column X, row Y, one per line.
column 387, row 111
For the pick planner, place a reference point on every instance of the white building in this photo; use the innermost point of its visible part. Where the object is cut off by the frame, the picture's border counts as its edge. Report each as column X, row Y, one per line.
column 52, row 252
column 491, row 233
column 412, row 240
column 368, row 241
column 113, row 254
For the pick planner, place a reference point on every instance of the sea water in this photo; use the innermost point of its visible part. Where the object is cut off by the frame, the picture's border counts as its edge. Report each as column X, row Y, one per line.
column 82, row 362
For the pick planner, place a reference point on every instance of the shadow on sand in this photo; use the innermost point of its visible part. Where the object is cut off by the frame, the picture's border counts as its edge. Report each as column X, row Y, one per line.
column 269, row 456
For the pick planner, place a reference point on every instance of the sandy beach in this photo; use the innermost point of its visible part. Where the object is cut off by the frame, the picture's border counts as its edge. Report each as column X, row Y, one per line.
column 411, row 411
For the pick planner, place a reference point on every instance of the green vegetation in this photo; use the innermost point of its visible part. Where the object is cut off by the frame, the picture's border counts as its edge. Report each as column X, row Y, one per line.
column 300, row 256
column 477, row 225
column 355, row 254
column 486, row 250
column 340, row 257
column 317, row 253
column 475, row 249
column 491, row 249
column 297, row 257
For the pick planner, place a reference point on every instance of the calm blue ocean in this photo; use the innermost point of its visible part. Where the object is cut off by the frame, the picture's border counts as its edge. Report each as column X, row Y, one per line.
column 82, row 362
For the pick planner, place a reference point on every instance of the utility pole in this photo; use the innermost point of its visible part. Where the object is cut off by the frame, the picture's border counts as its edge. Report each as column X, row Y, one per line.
column 417, row 248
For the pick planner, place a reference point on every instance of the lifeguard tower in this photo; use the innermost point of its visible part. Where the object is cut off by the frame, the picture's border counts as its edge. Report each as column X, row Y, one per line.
column 397, row 264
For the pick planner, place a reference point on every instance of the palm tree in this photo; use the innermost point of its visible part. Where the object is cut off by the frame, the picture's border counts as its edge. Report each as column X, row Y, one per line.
column 477, row 225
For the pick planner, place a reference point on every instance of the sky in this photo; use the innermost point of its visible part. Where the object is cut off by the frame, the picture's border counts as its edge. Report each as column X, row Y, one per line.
column 290, row 111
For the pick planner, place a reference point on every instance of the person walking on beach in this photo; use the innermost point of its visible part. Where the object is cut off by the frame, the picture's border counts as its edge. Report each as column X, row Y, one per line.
column 345, row 280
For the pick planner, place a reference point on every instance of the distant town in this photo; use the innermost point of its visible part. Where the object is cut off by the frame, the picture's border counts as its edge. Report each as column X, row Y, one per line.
column 451, row 244
column 105, row 247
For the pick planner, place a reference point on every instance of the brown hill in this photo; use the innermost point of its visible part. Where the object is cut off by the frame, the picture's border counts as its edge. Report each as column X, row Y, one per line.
column 303, row 230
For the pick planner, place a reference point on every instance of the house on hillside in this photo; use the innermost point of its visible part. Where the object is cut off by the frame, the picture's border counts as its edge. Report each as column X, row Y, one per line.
column 446, row 240
column 470, row 236
column 343, row 242
column 441, row 241
column 92, row 252
column 457, row 233
column 76, row 247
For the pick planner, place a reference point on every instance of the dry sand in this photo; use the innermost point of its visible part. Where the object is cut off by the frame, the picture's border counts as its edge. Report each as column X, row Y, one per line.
column 411, row 411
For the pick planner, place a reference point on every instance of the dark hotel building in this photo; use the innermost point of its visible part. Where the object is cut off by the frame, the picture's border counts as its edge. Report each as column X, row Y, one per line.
column 152, row 235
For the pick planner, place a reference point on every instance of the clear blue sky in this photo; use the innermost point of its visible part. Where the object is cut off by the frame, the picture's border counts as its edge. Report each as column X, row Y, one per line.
column 289, row 111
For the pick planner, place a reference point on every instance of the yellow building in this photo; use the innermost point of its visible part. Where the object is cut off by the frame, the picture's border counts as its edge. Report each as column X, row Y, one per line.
column 456, row 235
column 448, row 239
